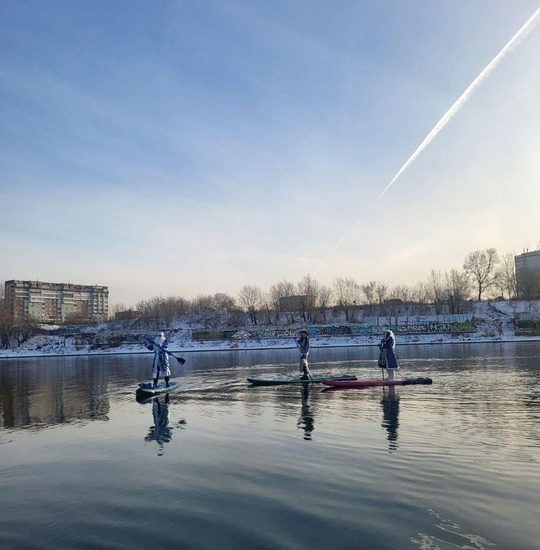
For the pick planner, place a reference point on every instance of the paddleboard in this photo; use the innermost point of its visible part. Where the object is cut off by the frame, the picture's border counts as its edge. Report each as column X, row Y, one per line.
column 148, row 388
column 283, row 381
column 369, row 383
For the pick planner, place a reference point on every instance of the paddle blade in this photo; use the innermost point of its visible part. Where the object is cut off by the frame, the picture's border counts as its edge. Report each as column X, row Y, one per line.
column 180, row 360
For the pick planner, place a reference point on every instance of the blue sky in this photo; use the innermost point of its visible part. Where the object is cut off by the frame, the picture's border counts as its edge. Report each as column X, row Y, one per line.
column 184, row 148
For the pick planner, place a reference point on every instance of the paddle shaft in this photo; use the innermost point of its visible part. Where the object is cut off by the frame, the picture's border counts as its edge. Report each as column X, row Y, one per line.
column 181, row 360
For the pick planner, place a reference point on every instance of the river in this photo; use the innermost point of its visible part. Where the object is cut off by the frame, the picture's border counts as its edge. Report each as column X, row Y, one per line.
column 219, row 464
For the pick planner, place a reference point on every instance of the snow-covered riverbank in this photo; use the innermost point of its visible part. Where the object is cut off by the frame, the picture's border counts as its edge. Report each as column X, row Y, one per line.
column 495, row 322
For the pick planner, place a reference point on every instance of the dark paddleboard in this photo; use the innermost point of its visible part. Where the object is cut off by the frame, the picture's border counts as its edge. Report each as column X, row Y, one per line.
column 283, row 381
column 148, row 388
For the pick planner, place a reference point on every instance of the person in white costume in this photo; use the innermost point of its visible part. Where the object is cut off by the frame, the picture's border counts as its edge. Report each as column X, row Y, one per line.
column 160, row 366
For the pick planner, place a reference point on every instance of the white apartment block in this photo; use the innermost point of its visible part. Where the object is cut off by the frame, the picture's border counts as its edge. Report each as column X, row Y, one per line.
column 57, row 302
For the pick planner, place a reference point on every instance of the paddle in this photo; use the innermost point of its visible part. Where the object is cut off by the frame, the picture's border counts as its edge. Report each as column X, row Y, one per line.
column 382, row 361
column 179, row 359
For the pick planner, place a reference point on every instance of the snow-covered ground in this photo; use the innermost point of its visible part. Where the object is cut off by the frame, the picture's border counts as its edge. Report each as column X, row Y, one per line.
column 494, row 323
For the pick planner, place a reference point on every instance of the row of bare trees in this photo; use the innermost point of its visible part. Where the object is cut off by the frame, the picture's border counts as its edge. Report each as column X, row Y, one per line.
column 483, row 273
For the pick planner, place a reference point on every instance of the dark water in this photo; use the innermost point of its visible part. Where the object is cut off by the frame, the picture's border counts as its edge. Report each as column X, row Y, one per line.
column 226, row 466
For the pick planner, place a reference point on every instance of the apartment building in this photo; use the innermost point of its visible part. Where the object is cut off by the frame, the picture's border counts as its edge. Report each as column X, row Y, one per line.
column 57, row 302
column 528, row 275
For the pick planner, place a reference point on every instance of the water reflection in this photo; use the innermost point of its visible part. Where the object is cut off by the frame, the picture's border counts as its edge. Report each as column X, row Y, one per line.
column 160, row 432
column 473, row 435
column 306, row 421
column 35, row 398
column 390, row 407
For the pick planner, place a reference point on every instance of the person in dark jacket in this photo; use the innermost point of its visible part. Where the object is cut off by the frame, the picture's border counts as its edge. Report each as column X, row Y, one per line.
column 388, row 347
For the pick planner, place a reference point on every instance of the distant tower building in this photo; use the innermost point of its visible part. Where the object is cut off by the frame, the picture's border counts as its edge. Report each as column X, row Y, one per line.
column 528, row 275
column 57, row 302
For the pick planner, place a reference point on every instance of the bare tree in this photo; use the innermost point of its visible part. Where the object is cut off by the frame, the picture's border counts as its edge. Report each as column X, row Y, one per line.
column 347, row 293
column 481, row 266
column 420, row 292
column 250, row 297
column 310, row 288
column 458, row 290
column 224, row 302
column 160, row 310
column 203, row 302
column 151, row 310
column 421, row 296
column 24, row 329
column 438, row 291
column 267, row 307
column 181, row 305
column 370, row 292
column 6, row 323
column 401, row 292
column 381, row 290
column 325, row 299
column 283, row 289
column 167, row 310
column 506, row 275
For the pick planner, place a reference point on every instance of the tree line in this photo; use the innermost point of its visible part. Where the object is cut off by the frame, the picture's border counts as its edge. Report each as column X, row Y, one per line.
column 483, row 273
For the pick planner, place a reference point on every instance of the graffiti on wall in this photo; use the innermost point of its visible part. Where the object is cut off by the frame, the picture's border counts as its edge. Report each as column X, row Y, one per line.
column 458, row 324
column 527, row 327
column 353, row 330
column 262, row 334
column 342, row 330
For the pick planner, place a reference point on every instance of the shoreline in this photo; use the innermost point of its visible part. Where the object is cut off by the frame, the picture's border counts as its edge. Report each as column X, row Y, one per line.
column 270, row 346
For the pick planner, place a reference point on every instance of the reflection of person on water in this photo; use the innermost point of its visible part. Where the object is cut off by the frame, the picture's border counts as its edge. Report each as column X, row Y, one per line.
column 161, row 358
column 160, row 431
column 303, row 345
column 390, row 407
column 306, row 421
column 388, row 359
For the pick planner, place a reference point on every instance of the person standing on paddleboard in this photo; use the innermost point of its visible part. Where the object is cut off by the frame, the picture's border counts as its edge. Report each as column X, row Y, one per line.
column 161, row 358
column 388, row 347
column 303, row 345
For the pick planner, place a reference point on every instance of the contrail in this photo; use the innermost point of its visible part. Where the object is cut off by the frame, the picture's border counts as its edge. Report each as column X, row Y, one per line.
column 457, row 105
column 465, row 96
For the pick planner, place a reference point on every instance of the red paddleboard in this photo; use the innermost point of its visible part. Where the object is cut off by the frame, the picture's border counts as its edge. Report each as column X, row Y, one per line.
column 369, row 383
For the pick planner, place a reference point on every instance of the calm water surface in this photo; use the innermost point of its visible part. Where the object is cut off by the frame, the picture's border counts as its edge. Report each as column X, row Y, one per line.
column 223, row 465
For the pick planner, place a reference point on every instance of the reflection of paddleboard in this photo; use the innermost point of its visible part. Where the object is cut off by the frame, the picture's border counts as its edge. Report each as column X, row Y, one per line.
column 282, row 381
column 148, row 388
column 369, row 383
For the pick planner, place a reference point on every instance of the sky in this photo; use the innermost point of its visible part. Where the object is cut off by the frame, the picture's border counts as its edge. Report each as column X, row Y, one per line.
column 178, row 148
